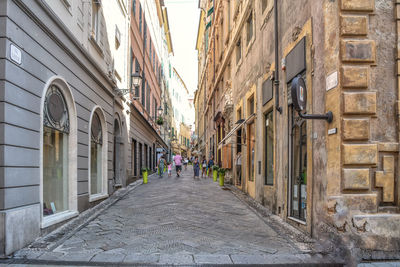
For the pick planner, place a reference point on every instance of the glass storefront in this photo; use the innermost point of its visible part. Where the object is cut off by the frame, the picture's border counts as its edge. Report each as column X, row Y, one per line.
column 55, row 153
column 95, row 168
column 269, row 148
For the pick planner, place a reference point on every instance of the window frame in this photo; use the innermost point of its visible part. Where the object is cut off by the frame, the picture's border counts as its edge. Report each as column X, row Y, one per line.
column 72, row 211
column 104, row 189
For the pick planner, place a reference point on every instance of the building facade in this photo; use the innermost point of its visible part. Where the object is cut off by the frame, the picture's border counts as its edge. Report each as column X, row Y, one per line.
column 335, row 180
column 73, row 130
column 147, row 46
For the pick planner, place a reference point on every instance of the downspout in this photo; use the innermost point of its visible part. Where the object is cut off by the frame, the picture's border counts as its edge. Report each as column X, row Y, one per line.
column 276, row 78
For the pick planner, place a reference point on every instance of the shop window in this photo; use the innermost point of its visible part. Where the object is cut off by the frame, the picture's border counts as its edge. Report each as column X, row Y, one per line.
column 55, row 152
column 96, row 149
column 269, row 148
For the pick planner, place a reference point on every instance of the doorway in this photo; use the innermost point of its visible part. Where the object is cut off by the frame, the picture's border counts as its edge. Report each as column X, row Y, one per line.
column 298, row 166
column 134, row 157
column 117, row 153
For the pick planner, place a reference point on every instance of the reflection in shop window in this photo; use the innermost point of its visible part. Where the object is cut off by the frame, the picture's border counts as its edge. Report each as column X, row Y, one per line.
column 55, row 152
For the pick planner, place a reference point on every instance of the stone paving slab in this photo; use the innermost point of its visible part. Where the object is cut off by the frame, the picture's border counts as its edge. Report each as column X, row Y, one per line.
column 109, row 257
column 178, row 221
column 212, row 259
column 176, row 259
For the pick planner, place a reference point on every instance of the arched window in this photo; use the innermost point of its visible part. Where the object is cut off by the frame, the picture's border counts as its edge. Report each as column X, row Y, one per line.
column 96, row 143
column 56, row 127
column 97, row 155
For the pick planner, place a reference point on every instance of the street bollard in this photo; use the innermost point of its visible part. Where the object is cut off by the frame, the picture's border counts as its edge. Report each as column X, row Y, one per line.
column 145, row 177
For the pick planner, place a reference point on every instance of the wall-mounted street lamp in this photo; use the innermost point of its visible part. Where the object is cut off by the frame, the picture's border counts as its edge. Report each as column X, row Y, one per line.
column 136, row 80
column 160, row 110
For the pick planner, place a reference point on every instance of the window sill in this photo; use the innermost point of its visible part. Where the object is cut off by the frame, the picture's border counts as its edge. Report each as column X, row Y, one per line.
column 57, row 218
column 96, row 197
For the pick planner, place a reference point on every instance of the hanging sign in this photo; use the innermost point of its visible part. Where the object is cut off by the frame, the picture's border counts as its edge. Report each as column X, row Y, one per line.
column 299, row 99
column 299, row 93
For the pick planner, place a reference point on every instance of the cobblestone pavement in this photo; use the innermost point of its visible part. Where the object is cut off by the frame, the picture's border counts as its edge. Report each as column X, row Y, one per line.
column 178, row 221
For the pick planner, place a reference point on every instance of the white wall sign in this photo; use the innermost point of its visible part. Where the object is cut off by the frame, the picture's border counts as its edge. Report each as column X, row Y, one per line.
column 332, row 131
column 16, row 54
column 331, row 81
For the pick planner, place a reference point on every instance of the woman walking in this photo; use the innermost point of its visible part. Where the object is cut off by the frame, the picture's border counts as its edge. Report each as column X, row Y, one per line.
column 204, row 166
column 196, row 167
column 210, row 165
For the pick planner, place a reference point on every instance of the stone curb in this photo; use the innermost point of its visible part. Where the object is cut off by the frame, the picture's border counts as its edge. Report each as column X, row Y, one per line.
column 55, row 238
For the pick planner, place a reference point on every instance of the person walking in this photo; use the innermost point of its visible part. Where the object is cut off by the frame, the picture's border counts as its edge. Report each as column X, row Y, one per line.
column 178, row 164
column 169, row 169
column 210, row 164
column 204, row 166
column 161, row 165
column 196, row 167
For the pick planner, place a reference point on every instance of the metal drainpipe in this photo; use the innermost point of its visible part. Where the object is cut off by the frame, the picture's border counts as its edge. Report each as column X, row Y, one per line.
column 276, row 78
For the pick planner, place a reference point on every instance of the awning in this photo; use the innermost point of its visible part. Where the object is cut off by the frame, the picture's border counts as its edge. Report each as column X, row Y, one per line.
column 236, row 127
column 210, row 11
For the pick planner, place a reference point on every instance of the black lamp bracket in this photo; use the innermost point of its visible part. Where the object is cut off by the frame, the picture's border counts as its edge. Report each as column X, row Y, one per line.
column 328, row 116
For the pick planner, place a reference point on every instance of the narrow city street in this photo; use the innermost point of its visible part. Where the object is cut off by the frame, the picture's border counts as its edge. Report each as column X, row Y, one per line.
column 178, row 221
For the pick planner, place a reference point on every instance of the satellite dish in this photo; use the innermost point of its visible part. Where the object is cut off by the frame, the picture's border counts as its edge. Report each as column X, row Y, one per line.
column 299, row 94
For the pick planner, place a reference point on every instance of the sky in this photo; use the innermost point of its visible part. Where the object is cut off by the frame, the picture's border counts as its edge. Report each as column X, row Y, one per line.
column 183, row 16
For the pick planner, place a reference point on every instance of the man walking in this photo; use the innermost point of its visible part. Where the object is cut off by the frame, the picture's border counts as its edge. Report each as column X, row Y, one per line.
column 178, row 164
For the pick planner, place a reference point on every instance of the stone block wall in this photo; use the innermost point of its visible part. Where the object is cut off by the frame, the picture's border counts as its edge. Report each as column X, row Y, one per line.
column 364, row 202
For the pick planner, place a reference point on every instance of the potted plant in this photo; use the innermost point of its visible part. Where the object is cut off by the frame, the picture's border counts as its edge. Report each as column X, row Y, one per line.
column 215, row 169
column 221, row 172
column 159, row 121
column 145, row 172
